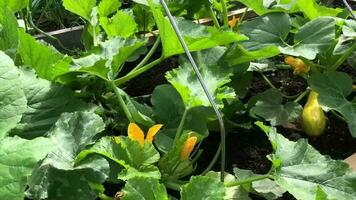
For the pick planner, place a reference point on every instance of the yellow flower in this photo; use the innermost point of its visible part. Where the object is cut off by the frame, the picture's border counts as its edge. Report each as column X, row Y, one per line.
column 298, row 65
column 188, row 147
column 232, row 23
column 135, row 133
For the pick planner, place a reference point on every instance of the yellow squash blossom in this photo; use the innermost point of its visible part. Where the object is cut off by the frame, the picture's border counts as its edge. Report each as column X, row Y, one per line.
column 135, row 133
column 188, row 147
column 232, row 23
column 298, row 65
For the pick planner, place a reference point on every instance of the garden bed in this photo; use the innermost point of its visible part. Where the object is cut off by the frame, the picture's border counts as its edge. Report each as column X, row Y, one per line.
column 114, row 110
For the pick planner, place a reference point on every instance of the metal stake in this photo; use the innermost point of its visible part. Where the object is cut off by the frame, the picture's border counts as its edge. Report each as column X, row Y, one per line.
column 202, row 83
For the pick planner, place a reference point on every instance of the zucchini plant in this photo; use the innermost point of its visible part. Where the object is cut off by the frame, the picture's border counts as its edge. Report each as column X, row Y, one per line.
column 70, row 127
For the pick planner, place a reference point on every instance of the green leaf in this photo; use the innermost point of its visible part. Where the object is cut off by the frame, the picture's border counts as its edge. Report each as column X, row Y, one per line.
column 18, row 157
column 124, row 151
column 107, row 7
column 12, row 98
column 333, row 88
column 238, row 55
column 215, row 76
column 301, row 170
column 310, row 8
column 203, row 188
column 8, row 32
column 71, row 134
column 312, row 38
column 82, row 8
column 266, row 31
column 106, row 64
column 269, row 105
column 46, row 101
column 168, row 109
column 260, row 7
column 45, row 60
column 197, row 37
column 122, row 24
column 313, row 10
column 144, row 189
column 14, row 5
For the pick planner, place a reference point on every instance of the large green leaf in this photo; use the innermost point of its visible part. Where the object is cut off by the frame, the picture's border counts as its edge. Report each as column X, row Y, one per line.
column 82, row 8
column 302, row 170
column 144, row 189
column 45, row 60
column 269, row 105
column 265, row 31
column 122, row 24
column 333, row 89
column 17, row 159
column 8, row 32
column 57, row 176
column 113, row 53
column 123, row 151
column 203, row 188
column 312, row 38
column 12, row 98
column 46, row 101
column 215, row 76
column 197, row 37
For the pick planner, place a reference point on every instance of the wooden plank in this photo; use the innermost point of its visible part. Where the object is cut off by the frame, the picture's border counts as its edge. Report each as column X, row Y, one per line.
column 71, row 37
column 352, row 161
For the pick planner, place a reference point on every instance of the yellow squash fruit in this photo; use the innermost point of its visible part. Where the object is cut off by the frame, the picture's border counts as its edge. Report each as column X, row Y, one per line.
column 313, row 117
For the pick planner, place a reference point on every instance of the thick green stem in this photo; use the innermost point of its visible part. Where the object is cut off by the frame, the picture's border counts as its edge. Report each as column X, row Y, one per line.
column 137, row 72
column 249, row 180
column 121, row 102
column 180, row 127
column 224, row 13
column 149, row 54
column 213, row 161
column 213, row 17
column 342, row 59
column 172, row 185
column 301, row 96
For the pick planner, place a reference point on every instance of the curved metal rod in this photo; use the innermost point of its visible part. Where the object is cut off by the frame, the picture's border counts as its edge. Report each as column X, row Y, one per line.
column 205, row 88
column 349, row 9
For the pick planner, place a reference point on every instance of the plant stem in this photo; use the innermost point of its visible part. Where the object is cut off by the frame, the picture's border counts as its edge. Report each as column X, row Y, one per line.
column 180, row 127
column 213, row 17
column 172, row 185
column 243, row 15
column 213, row 161
column 137, row 72
column 224, row 12
column 268, row 81
column 301, row 96
column 343, row 58
column 121, row 101
column 149, row 54
column 249, row 180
